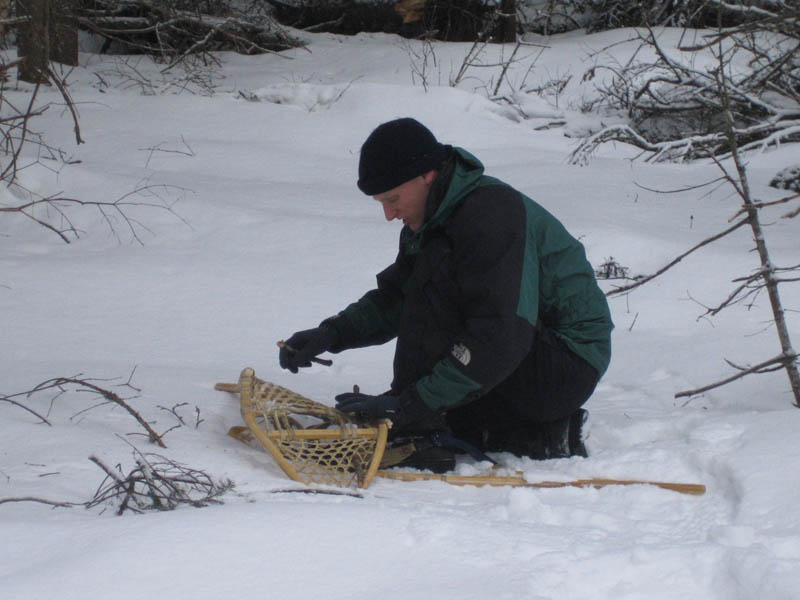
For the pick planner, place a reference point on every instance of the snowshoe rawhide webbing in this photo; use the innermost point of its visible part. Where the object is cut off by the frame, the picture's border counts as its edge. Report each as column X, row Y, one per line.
column 311, row 442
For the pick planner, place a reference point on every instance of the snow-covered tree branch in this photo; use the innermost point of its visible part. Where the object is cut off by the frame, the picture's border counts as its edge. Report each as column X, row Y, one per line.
column 672, row 103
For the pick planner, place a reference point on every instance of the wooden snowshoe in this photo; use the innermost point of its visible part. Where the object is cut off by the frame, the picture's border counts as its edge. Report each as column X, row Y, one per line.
column 311, row 442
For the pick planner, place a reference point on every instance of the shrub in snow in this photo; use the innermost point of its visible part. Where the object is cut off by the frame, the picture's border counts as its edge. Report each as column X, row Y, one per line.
column 787, row 179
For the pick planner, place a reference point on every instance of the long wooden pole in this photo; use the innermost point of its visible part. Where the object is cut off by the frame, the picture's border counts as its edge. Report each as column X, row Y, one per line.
column 519, row 481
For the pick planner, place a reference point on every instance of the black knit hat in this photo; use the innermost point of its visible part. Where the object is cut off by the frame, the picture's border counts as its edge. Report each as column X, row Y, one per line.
column 396, row 152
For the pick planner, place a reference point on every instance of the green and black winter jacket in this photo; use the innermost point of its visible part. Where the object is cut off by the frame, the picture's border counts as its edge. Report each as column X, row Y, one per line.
column 468, row 290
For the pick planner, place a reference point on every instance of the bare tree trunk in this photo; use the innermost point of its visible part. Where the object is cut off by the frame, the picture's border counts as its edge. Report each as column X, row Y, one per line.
column 507, row 31
column 3, row 15
column 770, row 281
column 34, row 40
column 64, row 34
column 768, row 273
column 789, row 356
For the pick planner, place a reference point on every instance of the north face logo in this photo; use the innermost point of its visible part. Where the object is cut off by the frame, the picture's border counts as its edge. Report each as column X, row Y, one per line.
column 461, row 353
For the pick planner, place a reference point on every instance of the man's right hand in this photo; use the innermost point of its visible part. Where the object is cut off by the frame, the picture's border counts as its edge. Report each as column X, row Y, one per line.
column 304, row 345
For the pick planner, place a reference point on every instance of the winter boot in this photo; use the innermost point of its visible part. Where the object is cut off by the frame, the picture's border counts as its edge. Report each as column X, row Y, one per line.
column 558, row 439
column 418, row 452
column 576, row 421
column 564, row 438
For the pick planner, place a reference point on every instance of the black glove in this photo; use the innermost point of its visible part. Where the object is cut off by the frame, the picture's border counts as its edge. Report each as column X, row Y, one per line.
column 400, row 410
column 304, row 345
column 369, row 407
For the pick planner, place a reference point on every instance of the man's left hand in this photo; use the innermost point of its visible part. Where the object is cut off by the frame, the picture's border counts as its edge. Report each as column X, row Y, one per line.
column 371, row 407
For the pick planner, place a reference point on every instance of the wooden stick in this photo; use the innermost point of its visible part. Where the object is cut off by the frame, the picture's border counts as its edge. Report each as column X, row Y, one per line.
column 519, row 481
column 234, row 388
column 319, row 361
column 324, row 434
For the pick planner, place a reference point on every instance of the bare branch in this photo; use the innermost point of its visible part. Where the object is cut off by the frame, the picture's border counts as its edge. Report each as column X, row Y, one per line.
column 736, row 295
column 792, row 214
column 760, row 205
column 643, row 280
column 23, row 407
column 110, row 472
column 782, row 359
column 41, row 501
column 70, row 104
column 60, row 385
column 118, row 207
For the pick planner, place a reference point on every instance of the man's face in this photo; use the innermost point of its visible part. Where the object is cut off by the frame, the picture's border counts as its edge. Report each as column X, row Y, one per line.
column 407, row 201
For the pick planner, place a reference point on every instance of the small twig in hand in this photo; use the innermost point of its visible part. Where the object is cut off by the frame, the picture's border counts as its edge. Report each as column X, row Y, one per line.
column 319, row 361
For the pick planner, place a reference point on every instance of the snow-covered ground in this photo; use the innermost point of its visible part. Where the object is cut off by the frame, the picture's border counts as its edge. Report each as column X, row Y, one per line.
column 273, row 236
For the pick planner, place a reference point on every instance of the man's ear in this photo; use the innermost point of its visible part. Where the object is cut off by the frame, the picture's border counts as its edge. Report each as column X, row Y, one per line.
column 429, row 177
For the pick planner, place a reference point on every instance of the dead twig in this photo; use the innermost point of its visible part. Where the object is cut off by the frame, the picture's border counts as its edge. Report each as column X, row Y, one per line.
column 759, row 205
column 60, row 84
column 174, row 412
column 60, row 385
column 158, row 148
column 10, row 400
column 675, row 261
column 41, row 501
column 782, row 359
column 119, row 208
column 737, row 296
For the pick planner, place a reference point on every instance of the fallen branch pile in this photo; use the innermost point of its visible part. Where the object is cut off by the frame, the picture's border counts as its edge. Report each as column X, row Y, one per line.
column 156, row 483
column 173, row 29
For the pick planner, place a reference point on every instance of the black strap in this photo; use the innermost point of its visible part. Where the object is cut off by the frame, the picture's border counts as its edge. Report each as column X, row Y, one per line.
column 444, row 439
